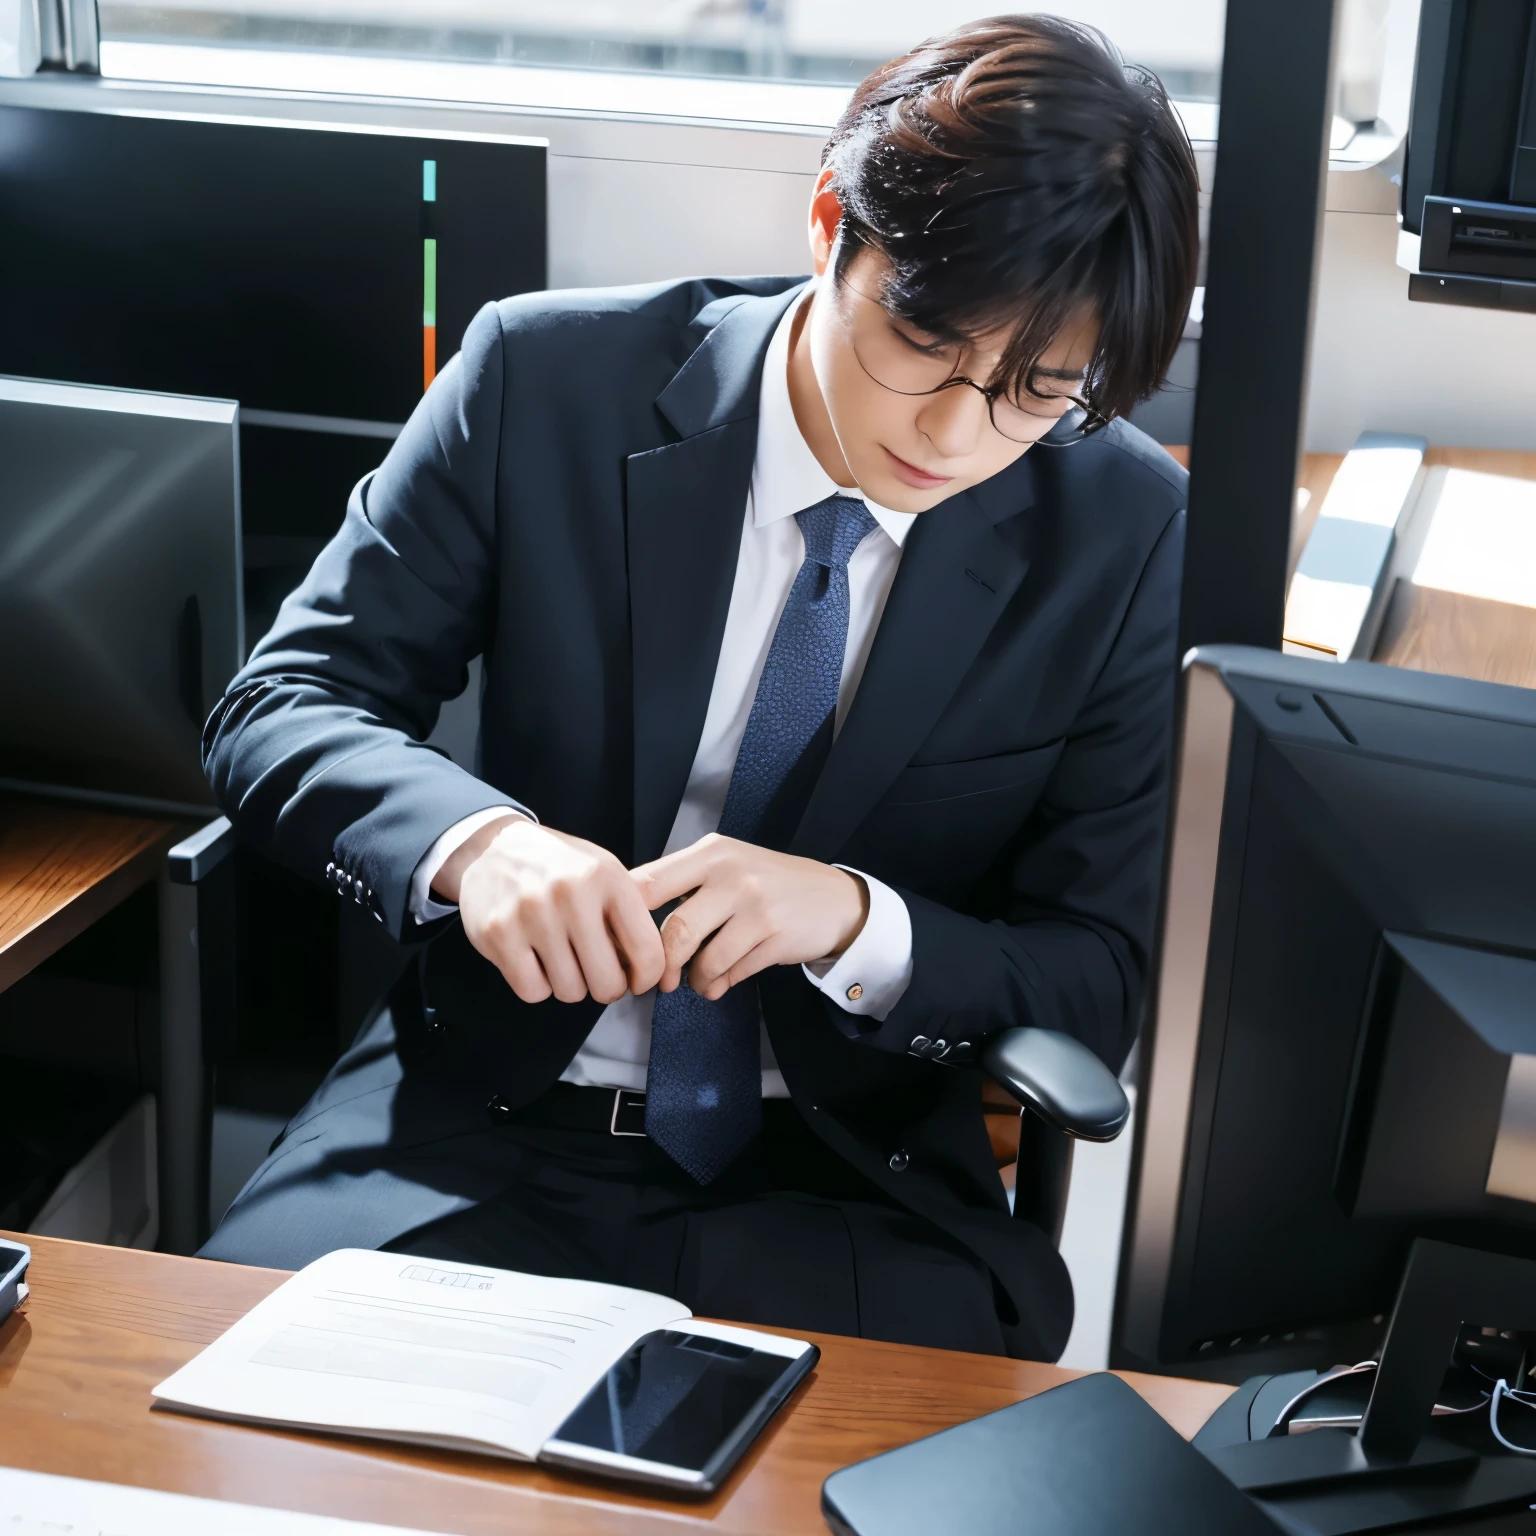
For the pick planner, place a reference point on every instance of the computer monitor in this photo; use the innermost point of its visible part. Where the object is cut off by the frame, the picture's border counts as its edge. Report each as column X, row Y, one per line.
column 1341, row 1049
column 304, row 269
column 120, row 597
column 1469, row 174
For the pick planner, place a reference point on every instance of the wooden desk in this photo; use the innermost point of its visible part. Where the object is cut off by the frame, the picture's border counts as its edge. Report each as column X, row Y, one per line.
column 1425, row 629
column 104, row 1325
column 62, row 866
column 1429, row 630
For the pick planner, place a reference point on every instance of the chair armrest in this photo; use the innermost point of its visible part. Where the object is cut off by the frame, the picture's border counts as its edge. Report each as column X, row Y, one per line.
column 200, row 854
column 1061, row 1080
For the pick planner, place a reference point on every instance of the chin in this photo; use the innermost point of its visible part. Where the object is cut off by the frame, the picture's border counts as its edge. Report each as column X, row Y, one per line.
column 886, row 490
column 882, row 484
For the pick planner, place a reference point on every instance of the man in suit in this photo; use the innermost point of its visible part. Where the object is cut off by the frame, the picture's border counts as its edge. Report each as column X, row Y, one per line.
column 831, row 624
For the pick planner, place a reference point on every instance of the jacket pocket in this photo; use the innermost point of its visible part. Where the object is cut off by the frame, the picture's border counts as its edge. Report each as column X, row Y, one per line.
column 934, row 783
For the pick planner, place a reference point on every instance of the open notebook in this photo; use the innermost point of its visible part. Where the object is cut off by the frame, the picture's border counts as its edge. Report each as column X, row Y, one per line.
column 401, row 1348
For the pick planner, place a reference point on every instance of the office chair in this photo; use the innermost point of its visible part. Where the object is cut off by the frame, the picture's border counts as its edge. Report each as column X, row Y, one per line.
column 206, row 947
column 197, row 1022
column 1066, row 1095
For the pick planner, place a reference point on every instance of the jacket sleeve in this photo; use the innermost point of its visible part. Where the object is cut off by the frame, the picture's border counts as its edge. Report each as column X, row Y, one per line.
column 316, row 752
column 1070, row 945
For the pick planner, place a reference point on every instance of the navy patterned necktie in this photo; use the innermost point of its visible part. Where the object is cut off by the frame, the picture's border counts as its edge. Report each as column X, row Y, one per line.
column 703, row 1100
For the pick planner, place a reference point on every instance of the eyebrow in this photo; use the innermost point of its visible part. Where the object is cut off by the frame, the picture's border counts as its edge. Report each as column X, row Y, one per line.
column 1066, row 375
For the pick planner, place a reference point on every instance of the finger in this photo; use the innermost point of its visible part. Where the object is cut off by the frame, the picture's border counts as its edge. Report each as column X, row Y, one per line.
column 553, row 947
column 505, row 944
column 756, row 959
column 666, row 879
column 602, row 973
column 526, row 977
column 641, row 951
column 688, row 927
column 501, row 939
column 709, row 970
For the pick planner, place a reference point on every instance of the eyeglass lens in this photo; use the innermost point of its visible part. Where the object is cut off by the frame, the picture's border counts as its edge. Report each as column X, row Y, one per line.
column 894, row 360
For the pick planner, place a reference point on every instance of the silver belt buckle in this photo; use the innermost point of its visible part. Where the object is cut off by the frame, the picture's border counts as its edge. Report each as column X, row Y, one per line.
column 628, row 1110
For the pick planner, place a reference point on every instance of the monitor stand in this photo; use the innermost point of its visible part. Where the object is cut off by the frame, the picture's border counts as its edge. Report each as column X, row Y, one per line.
column 1395, row 1469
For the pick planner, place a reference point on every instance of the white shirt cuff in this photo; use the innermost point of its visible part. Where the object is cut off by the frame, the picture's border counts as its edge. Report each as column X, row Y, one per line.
column 422, row 905
column 873, row 973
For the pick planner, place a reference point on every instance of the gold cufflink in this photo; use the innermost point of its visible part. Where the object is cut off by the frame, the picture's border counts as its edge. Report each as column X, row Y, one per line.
column 855, row 992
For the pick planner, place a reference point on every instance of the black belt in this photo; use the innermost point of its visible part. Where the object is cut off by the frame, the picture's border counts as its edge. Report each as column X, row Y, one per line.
column 614, row 1111
column 565, row 1107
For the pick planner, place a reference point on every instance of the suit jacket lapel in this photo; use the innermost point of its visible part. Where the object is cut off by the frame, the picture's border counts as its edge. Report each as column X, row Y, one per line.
column 685, row 503
column 955, row 579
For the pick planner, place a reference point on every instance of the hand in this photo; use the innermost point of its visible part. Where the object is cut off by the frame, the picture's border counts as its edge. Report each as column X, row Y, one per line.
column 749, row 908
column 556, row 915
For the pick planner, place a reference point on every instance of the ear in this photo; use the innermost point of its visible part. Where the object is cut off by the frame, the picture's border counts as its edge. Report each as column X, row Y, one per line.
column 826, row 215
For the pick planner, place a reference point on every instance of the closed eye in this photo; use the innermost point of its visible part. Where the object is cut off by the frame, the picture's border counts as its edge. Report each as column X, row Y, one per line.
column 926, row 348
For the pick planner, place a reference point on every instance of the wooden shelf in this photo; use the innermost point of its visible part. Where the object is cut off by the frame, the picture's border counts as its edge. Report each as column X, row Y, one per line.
column 61, row 867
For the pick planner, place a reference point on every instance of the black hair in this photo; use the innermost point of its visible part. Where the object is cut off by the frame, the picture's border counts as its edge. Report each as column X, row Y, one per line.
column 1015, row 172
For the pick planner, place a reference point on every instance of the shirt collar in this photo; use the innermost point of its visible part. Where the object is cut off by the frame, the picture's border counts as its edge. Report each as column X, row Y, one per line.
column 786, row 478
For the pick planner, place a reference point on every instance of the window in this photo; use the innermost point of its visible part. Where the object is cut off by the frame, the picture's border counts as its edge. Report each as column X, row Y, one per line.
column 803, row 44
column 832, row 42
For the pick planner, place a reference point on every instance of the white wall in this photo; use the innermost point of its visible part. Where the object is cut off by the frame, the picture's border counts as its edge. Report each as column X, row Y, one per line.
column 1459, row 377
column 628, row 221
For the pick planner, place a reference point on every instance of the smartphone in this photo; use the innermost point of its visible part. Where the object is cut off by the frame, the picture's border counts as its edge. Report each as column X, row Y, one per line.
column 14, row 1259
column 680, row 1408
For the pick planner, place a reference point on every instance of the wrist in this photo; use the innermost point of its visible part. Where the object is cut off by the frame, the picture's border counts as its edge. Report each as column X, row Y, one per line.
column 857, row 913
column 449, row 880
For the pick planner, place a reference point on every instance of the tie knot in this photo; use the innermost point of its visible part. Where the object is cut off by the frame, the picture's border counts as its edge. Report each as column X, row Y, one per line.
column 833, row 529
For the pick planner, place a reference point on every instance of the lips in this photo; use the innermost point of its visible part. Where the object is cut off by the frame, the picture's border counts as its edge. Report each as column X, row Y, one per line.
column 918, row 479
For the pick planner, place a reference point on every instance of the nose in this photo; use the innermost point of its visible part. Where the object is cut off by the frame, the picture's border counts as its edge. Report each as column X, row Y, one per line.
column 953, row 420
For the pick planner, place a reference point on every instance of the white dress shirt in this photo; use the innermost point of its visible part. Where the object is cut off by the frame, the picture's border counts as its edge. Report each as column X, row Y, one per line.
column 786, row 478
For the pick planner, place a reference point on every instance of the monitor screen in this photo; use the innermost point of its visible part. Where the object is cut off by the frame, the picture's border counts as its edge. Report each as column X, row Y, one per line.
column 120, row 602
column 1467, row 124
column 303, row 269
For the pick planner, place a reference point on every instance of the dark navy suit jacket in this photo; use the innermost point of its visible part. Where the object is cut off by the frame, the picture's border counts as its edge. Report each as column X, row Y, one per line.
column 567, row 502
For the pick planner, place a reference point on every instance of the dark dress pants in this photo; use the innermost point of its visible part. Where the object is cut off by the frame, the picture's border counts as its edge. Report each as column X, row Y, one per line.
column 789, row 1236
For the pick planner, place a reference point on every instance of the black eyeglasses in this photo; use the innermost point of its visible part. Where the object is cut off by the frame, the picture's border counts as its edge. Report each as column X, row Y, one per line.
column 895, row 362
